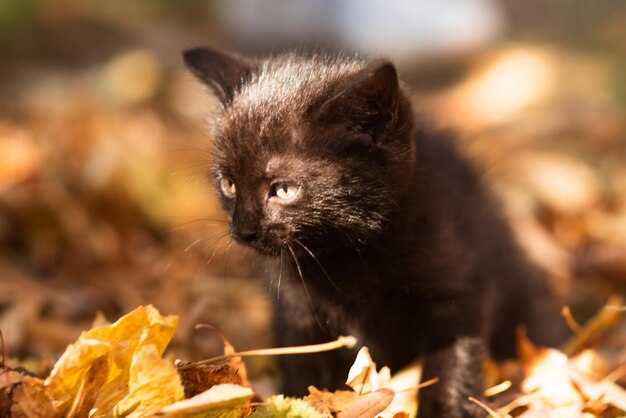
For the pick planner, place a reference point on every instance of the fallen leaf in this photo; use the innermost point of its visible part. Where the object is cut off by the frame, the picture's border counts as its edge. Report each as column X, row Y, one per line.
column 330, row 402
column 607, row 392
column 197, row 379
column 220, row 400
column 405, row 385
column 119, row 342
column 363, row 377
column 153, row 384
column 31, row 399
column 590, row 364
column 547, row 376
column 89, row 389
column 9, row 378
column 369, row 405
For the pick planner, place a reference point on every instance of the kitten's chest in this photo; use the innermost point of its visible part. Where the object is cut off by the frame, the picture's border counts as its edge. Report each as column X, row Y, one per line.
column 354, row 300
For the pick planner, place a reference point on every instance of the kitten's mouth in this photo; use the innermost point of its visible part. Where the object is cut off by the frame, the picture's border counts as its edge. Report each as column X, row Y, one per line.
column 275, row 249
column 262, row 248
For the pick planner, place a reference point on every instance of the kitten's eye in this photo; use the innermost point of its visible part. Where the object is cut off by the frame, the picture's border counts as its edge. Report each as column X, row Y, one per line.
column 228, row 187
column 285, row 191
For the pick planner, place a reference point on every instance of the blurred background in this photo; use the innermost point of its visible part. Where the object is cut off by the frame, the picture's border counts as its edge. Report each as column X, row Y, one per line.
column 105, row 202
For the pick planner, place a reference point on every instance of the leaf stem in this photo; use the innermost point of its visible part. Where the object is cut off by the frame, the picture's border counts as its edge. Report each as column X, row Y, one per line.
column 343, row 341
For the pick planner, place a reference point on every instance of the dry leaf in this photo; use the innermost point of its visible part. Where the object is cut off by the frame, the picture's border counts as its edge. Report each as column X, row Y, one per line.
column 405, row 384
column 330, row 402
column 89, row 389
column 197, row 379
column 604, row 391
column 31, row 399
column 547, row 376
column 8, row 380
column 119, row 342
column 369, row 405
column 590, row 364
column 153, row 384
column 219, row 400
column 363, row 377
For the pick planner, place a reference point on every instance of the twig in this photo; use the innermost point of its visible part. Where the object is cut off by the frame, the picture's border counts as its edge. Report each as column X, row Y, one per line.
column 573, row 325
column 603, row 320
column 616, row 374
column 427, row 383
column 497, row 389
column 487, row 408
column 343, row 341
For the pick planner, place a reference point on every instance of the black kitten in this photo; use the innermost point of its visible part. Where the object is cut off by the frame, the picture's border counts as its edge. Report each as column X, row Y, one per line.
column 370, row 224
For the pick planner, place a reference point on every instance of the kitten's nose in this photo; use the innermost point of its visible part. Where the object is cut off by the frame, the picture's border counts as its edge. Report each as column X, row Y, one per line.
column 245, row 222
column 246, row 233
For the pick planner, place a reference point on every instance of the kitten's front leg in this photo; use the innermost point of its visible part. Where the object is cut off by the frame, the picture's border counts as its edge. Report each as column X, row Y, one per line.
column 295, row 324
column 455, row 357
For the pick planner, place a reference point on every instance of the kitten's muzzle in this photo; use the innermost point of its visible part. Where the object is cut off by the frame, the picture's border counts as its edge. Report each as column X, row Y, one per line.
column 245, row 233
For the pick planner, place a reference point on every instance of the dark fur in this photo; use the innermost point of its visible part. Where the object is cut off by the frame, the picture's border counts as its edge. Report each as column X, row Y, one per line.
column 396, row 238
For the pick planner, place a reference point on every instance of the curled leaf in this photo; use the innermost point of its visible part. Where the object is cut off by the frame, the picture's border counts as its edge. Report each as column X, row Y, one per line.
column 119, row 343
column 363, row 377
column 154, row 383
column 89, row 389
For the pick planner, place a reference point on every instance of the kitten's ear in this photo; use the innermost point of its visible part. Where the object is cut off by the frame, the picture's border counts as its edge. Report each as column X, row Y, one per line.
column 222, row 72
column 369, row 98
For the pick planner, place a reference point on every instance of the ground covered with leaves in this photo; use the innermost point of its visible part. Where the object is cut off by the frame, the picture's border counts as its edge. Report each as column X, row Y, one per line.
column 117, row 370
column 105, row 207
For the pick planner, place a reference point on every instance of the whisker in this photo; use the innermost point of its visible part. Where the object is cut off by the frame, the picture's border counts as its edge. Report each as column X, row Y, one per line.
column 212, row 240
column 207, row 221
column 227, row 251
column 306, row 289
column 215, row 250
column 330, row 280
column 193, row 244
column 280, row 275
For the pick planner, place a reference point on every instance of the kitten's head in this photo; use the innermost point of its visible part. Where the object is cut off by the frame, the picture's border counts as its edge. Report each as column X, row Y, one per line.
column 308, row 150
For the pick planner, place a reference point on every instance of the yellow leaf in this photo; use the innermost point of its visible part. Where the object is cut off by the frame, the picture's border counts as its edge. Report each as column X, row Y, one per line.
column 89, row 389
column 154, row 383
column 119, row 342
column 217, row 401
